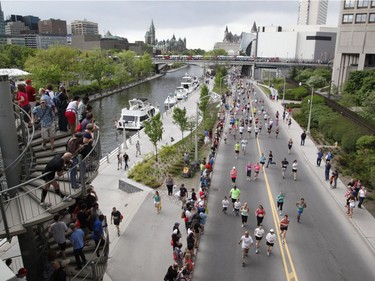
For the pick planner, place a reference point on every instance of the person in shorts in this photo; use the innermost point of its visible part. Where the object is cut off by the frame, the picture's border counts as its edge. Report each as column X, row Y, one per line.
column 43, row 115
column 246, row 242
column 225, row 204
column 270, row 241
column 258, row 234
column 284, row 223
column 71, row 113
column 116, row 219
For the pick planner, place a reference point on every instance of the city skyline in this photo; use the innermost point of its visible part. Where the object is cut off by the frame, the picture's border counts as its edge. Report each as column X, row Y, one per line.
column 201, row 22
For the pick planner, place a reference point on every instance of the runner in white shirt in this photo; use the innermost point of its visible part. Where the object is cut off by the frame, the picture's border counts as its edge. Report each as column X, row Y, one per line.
column 243, row 145
column 246, row 242
column 258, row 234
column 270, row 241
column 225, row 203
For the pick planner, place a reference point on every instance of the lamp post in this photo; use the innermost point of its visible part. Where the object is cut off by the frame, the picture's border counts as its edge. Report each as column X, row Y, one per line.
column 311, row 102
column 124, row 132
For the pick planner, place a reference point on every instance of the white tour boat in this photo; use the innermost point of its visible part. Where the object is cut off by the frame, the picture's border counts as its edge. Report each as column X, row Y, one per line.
column 189, row 83
column 133, row 117
column 181, row 93
column 170, row 101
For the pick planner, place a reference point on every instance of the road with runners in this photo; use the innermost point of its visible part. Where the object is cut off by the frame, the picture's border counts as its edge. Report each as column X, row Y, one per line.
column 323, row 246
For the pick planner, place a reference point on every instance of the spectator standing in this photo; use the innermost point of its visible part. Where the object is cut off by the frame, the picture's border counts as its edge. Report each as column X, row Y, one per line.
column 61, row 103
column 327, row 170
column 126, row 160
column 31, row 93
column 183, row 195
column 43, row 115
column 58, row 230
column 71, row 114
column 77, row 239
column 361, row 196
column 23, row 102
column 334, row 177
column 303, row 138
column 74, row 146
column 82, row 108
column 172, row 273
column 59, row 273
column 169, row 182
column 119, row 161
column 319, row 157
column 138, row 149
column 98, row 233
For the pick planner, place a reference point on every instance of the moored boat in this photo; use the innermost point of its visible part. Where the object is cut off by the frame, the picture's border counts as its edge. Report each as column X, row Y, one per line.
column 132, row 118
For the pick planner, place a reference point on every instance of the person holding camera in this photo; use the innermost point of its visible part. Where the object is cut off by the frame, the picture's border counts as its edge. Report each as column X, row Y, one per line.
column 57, row 165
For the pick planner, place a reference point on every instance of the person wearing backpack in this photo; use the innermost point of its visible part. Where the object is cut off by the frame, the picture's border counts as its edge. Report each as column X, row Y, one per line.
column 61, row 103
column 178, row 255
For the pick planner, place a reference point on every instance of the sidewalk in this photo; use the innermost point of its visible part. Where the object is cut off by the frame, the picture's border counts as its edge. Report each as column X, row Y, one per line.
column 144, row 234
column 362, row 220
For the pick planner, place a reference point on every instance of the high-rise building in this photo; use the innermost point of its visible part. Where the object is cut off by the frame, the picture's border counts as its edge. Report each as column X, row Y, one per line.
column 31, row 22
column 52, row 27
column 15, row 28
column 2, row 27
column 312, row 12
column 355, row 45
column 84, row 27
column 150, row 35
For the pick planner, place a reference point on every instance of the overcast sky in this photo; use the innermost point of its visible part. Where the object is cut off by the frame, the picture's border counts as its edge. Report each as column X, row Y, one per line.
column 201, row 22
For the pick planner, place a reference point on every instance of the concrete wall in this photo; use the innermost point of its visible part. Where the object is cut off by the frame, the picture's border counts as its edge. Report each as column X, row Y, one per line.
column 277, row 44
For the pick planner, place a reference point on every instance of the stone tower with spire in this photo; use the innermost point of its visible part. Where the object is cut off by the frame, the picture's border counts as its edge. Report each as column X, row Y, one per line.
column 150, row 34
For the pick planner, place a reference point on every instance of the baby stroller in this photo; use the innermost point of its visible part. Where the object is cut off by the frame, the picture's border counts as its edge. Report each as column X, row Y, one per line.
column 186, row 172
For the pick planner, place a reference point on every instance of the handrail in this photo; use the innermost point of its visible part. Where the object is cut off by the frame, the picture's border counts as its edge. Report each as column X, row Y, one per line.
column 22, row 208
column 41, row 176
column 30, row 138
column 90, row 261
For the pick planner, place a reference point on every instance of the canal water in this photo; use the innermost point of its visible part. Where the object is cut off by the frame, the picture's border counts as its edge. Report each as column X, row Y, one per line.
column 107, row 110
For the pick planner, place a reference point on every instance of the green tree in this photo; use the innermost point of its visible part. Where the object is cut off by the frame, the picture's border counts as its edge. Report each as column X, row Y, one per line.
column 14, row 56
column 54, row 65
column 316, row 81
column 96, row 65
column 154, row 130
column 304, row 75
column 180, row 119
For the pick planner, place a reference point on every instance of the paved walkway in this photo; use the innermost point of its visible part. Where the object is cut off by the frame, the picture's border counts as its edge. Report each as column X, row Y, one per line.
column 144, row 234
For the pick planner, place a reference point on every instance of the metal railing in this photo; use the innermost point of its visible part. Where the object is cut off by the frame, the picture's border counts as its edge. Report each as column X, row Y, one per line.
column 95, row 266
column 24, row 208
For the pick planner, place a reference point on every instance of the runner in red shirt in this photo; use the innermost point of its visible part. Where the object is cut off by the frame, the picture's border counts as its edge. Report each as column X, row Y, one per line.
column 284, row 227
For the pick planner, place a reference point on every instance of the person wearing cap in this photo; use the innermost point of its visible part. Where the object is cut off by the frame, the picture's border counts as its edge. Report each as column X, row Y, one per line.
column 21, row 275
column 233, row 175
column 31, row 93
column 43, row 115
column 246, row 242
column 270, row 241
column 74, row 146
column 258, row 234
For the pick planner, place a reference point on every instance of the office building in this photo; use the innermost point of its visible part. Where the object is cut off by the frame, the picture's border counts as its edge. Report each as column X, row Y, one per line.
column 2, row 28
column 312, row 12
column 84, row 27
column 52, row 27
column 15, row 28
column 355, row 47
column 31, row 22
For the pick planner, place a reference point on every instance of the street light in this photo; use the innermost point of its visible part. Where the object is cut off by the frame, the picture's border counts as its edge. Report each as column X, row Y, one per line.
column 311, row 102
column 124, row 132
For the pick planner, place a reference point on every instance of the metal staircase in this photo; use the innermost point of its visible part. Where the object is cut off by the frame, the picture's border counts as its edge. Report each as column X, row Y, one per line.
column 20, row 207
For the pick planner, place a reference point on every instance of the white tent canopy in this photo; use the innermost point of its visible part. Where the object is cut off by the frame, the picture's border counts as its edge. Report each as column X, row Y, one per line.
column 13, row 72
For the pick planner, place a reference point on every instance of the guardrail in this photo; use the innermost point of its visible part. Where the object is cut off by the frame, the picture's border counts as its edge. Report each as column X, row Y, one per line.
column 96, row 265
column 20, row 204
column 350, row 115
